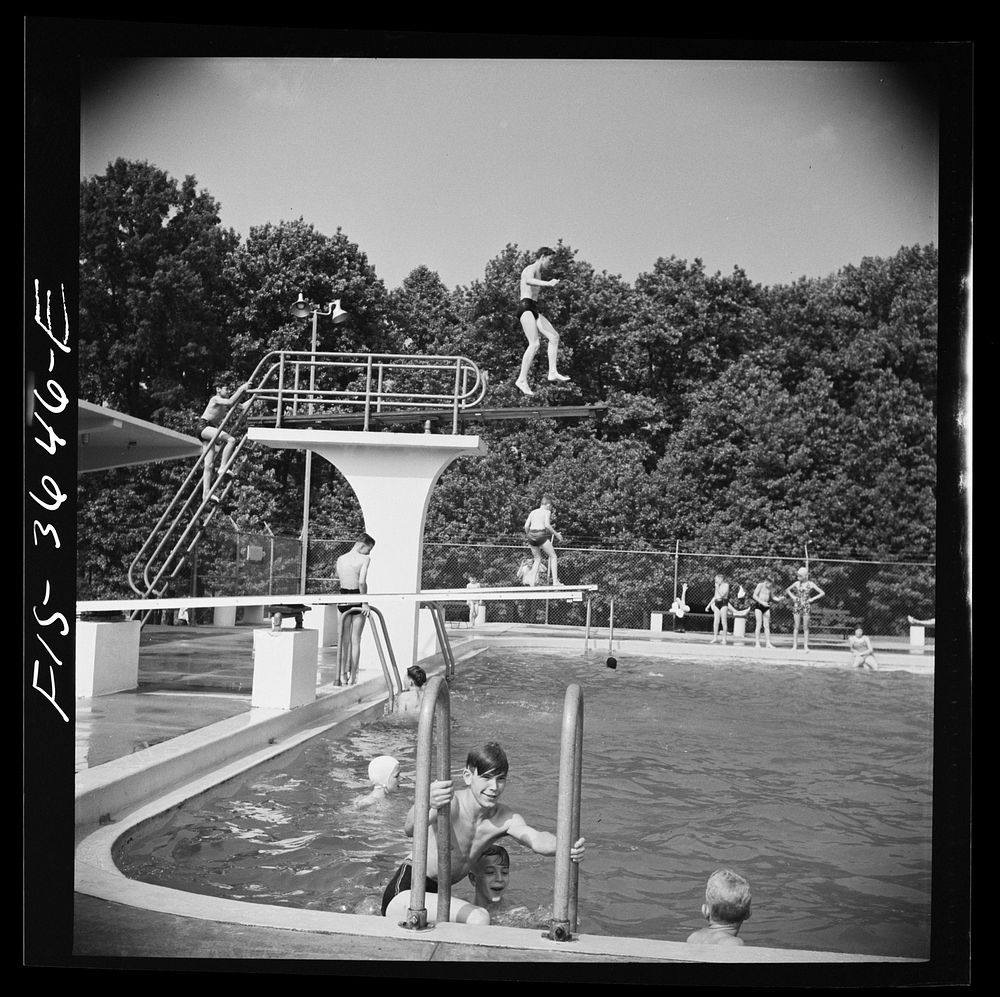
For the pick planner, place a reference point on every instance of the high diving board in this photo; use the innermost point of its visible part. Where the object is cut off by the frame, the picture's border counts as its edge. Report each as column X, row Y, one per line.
column 348, row 420
column 568, row 593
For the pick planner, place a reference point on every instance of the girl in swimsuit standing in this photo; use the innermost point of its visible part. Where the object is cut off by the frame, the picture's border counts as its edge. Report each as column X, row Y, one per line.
column 800, row 592
column 719, row 607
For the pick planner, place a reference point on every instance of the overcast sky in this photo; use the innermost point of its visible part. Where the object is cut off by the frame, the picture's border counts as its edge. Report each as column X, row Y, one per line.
column 785, row 169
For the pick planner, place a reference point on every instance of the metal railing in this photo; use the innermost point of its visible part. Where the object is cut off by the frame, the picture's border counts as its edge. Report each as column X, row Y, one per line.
column 345, row 668
column 175, row 536
column 564, row 904
column 436, row 706
column 299, row 382
column 437, row 615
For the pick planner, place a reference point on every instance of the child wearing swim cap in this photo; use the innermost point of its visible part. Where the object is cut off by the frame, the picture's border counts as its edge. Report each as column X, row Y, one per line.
column 383, row 772
column 726, row 907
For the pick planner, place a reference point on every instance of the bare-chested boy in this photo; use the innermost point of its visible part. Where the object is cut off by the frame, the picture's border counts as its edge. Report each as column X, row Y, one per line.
column 213, row 437
column 540, row 533
column 532, row 322
column 352, row 572
column 477, row 819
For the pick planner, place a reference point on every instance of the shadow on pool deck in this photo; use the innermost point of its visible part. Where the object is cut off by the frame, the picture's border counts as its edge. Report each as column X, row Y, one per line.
column 192, row 679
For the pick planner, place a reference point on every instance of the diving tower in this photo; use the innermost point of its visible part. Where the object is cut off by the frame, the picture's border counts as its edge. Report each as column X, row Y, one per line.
column 346, row 408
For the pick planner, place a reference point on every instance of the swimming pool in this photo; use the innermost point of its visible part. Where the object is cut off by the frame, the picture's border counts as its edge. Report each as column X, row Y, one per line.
column 814, row 783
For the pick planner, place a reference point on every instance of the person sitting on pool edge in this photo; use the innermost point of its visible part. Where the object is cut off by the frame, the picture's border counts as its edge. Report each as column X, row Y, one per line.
column 383, row 773
column 409, row 700
column 726, row 907
column 478, row 819
column 862, row 651
column 489, row 876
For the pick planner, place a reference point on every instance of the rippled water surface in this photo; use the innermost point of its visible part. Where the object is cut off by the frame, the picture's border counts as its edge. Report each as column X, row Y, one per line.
column 814, row 783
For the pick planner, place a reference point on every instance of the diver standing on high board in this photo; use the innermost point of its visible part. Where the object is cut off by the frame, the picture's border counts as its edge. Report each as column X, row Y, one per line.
column 532, row 322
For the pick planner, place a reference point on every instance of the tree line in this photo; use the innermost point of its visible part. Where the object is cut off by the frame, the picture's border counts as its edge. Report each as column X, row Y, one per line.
column 740, row 417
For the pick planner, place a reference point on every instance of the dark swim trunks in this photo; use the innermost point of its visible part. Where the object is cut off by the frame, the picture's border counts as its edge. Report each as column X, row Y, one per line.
column 721, row 603
column 761, row 607
column 403, row 880
column 350, row 605
column 527, row 305
column 537, row 537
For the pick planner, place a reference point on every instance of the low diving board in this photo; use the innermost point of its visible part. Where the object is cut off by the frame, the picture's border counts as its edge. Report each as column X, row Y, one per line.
column 569, row 593
column 351, row 420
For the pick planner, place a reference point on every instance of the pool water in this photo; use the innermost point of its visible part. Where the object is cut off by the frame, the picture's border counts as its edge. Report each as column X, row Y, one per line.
column 812, row 782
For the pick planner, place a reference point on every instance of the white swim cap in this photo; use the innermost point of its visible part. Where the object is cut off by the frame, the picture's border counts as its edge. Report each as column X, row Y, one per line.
column 381, row 769
column 802, row 572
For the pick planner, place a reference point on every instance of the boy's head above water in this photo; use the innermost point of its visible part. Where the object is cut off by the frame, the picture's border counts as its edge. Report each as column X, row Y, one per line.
column 727, row 898
column 486, row 773
column 490, row 875
column 489, row 760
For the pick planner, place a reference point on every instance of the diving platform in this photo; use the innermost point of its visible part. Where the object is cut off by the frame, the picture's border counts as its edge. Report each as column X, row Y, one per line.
column 434, row 417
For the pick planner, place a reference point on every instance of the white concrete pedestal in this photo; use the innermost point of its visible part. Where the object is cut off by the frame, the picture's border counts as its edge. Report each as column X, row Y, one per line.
column 224, row 616
column 284, row 668
column 918, row 636
column 107, row 657
column 739, row 627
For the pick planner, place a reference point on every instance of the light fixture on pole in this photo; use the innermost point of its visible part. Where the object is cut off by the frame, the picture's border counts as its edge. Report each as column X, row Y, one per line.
column 301, row 309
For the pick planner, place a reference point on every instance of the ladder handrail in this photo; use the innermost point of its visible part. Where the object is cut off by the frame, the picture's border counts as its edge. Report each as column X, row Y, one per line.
column 437, row 616
column 564, row 904
column 467, row 389
column 184, row 497
column 436, row 705
column 342, row 666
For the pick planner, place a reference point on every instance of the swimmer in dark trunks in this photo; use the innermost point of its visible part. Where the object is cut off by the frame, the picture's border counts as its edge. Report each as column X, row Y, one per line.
column 533, row 323
column 478, row 820
column 540, row 533
column 763, row 599
column 352, row 572
column 718, row 606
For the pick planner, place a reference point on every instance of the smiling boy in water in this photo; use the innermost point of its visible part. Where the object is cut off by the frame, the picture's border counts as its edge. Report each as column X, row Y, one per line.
column 490, row 876
column 477, row 820
column 726, row 907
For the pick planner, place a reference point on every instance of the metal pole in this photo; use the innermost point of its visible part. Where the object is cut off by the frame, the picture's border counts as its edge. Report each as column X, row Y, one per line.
column 586, row 633
column 611, row 625
column 435, row 706
column 307, row 474
column 677, row 554
column 568, row 816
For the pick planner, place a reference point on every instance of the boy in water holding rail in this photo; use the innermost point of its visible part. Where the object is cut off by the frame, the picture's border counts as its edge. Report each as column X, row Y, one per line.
column 478, row 819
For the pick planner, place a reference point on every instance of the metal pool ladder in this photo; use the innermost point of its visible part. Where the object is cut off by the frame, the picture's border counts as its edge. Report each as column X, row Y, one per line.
column 436, row 706
column 564, row 902
column 392, row 680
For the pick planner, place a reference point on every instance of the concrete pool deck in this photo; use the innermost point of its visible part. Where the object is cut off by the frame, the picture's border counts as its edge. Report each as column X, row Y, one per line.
column 189, row 726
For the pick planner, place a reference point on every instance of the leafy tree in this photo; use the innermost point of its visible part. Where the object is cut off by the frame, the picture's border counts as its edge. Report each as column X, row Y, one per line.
column 153, row 301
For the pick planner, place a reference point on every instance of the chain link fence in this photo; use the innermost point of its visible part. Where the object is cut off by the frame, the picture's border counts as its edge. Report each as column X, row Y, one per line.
column 878, row 595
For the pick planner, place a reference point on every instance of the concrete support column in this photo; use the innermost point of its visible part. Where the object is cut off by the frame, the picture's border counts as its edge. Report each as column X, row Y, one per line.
column 224, row 616
column 392, row 475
